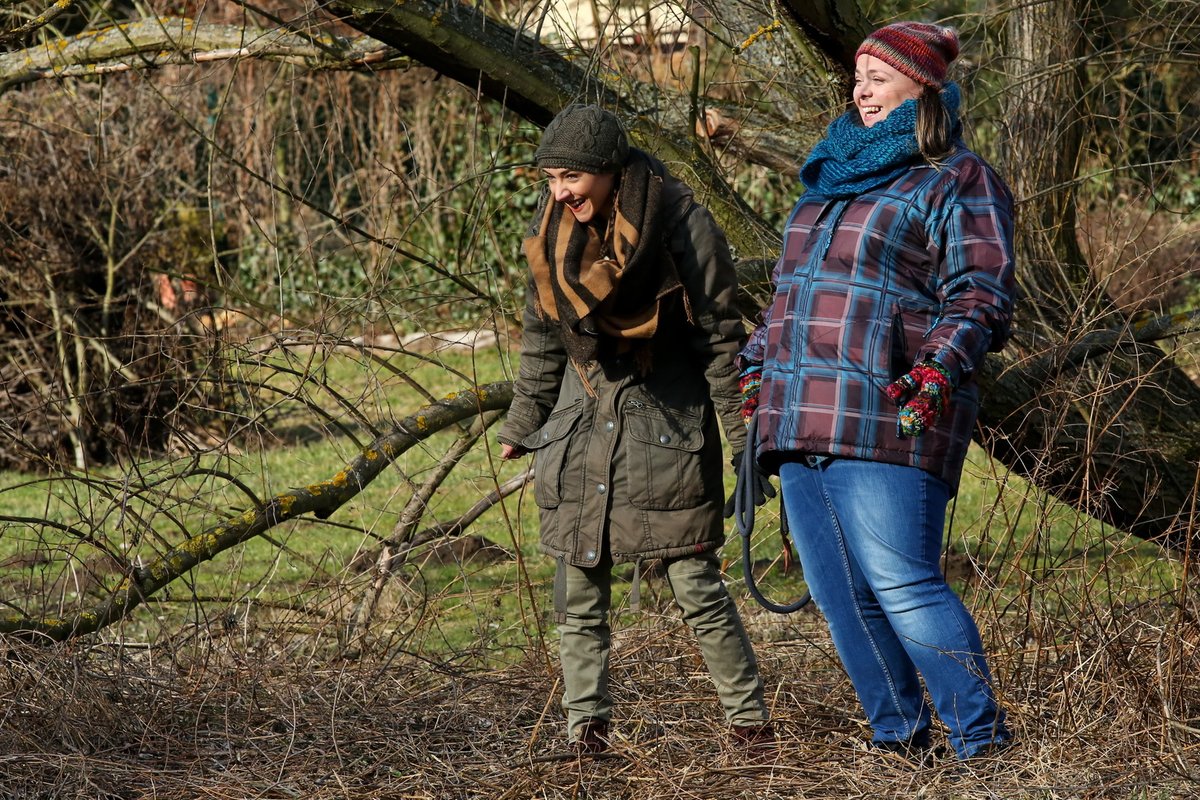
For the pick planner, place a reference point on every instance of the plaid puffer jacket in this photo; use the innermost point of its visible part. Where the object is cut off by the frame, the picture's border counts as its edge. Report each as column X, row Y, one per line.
column 865, row 288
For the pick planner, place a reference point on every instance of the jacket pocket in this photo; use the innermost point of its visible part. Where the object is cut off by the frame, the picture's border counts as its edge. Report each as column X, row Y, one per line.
column 911, row 326
column 551, row 443
column 663, row 457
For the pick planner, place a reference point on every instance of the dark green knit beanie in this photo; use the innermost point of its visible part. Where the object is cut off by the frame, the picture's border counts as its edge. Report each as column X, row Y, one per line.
column 584, row 138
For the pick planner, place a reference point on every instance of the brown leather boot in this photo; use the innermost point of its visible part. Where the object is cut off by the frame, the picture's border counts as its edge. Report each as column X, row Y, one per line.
column 593, row 738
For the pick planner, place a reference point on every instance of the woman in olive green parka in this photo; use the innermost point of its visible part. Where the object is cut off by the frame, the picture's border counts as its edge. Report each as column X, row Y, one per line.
column 627, row 362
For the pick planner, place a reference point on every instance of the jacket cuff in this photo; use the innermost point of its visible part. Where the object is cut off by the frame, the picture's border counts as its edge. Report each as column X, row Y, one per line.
column 946, row 361
column 745, row 364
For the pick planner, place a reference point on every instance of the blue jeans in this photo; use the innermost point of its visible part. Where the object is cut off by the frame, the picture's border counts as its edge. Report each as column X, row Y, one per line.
column 869, row 537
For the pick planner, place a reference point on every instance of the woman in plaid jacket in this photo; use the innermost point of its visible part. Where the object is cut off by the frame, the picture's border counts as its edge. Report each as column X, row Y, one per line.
column 895, row 280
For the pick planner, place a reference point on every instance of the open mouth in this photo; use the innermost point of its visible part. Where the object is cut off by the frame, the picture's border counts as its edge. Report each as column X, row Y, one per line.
column 871, row 110
column 576, row 204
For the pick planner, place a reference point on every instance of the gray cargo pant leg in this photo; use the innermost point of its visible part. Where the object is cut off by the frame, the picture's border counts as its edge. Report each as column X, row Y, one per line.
column 712, row 615
column 584, row 641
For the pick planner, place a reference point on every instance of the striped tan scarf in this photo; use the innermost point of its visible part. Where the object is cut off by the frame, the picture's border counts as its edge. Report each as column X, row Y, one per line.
column 606, row 291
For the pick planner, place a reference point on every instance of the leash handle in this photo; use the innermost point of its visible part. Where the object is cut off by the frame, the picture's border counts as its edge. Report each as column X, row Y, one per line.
column 743, row 518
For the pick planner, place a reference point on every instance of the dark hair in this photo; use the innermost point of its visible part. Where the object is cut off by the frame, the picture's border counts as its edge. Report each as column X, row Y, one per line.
column 935, row 129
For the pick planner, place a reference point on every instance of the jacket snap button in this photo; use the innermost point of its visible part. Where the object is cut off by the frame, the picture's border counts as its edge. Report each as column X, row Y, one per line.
column 608, row 426
column 545, row 435
column 665, row 439
column 601, row 488
column 591, row 555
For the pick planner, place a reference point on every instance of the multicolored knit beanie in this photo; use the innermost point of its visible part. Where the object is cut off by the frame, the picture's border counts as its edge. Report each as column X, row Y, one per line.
column 583, row 138
column 919, row 50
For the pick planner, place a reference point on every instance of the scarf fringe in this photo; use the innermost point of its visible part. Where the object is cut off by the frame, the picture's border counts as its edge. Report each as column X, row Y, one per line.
column 582, row 372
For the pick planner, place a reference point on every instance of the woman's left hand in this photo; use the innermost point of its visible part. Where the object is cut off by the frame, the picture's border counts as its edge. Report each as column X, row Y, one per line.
column 923, row 395
column 750, row 382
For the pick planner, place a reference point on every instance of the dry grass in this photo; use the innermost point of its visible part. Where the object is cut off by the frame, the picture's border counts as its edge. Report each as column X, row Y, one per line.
column 213, row 718
column 1143, row 259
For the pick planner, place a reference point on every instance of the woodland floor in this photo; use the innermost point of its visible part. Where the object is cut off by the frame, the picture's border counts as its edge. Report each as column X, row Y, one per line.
column 218, row 719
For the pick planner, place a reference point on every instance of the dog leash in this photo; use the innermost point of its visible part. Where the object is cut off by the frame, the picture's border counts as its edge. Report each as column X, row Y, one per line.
column 743, row 518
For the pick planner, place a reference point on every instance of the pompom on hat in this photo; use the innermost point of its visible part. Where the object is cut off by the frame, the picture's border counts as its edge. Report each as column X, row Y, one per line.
column 584, row 138
column 919, row 50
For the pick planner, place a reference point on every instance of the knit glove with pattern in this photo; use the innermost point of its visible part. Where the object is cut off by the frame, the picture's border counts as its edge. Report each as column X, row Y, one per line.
column 750, row 382
column 923, row 395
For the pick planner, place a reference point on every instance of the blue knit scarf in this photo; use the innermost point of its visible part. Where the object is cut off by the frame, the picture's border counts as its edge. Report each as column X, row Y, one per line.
column 853, row 158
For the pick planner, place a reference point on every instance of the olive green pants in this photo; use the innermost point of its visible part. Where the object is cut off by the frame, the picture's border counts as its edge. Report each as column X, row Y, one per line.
column 707, row 608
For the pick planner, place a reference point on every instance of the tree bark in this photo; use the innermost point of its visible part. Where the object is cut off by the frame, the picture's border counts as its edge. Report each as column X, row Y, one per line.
column 835, row 27
column 1114, row 430
column 155, row 42
column 1042, row 136
column 1116, row 437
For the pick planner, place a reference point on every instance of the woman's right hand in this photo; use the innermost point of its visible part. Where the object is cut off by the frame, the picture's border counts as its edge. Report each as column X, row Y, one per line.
column 750, row 381
column 510, row 451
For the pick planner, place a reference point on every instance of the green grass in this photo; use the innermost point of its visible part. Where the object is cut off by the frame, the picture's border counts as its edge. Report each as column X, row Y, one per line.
column 1021, row 551
column 139, row 511
column 1053, row 558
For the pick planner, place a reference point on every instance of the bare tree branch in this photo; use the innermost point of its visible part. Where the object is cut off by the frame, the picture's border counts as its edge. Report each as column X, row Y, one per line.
column 459, row 525
column 1139, row 331
column 321, row 499
column 53, row 12
column 149, row 43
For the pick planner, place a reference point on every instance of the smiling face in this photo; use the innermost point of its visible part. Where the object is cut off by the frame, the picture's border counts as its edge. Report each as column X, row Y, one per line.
column 878, row 88
column 587, row 195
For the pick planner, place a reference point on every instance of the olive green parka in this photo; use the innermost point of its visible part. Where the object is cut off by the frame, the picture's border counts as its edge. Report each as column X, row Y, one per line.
column 636, row 463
